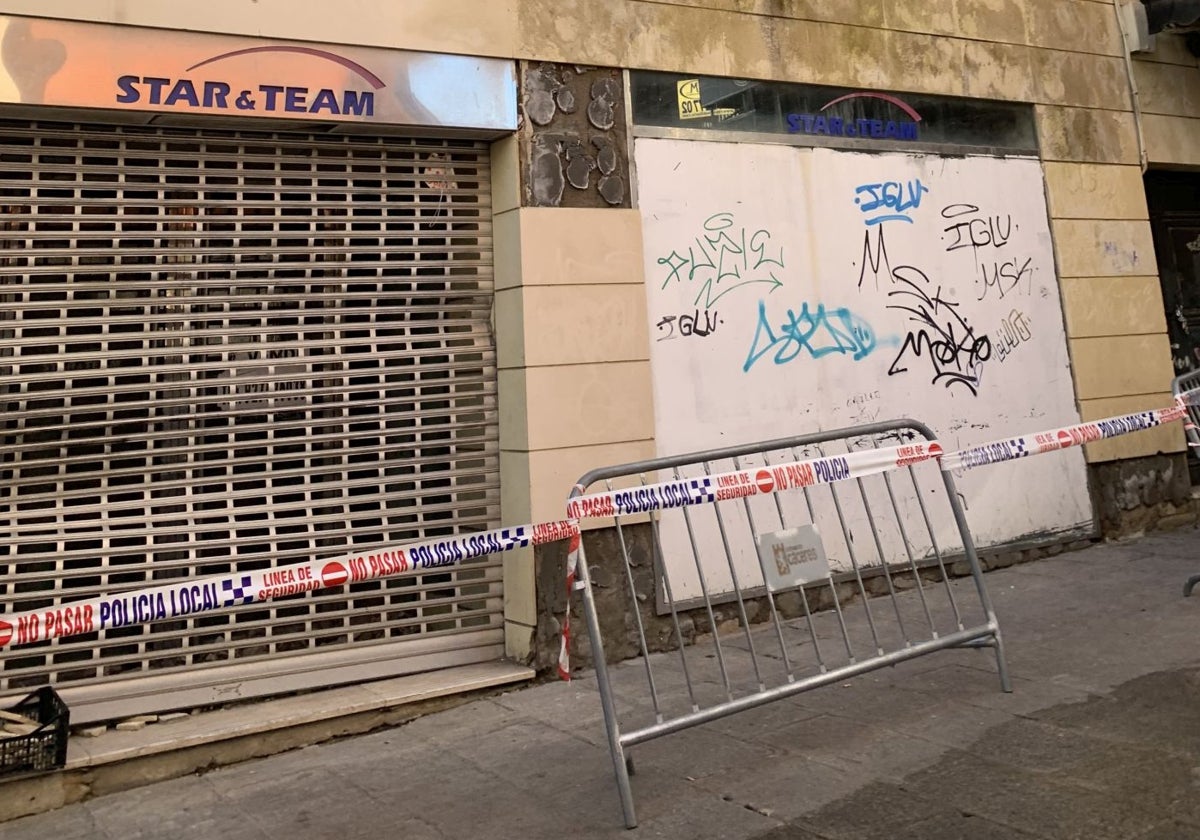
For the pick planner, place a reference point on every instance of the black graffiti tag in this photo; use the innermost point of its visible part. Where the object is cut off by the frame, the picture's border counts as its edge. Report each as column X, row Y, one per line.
column 689, row 324
column 942, row 336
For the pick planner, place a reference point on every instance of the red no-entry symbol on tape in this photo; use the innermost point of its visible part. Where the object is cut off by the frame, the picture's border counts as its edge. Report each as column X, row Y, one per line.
column 334, row 574
column 765, row 481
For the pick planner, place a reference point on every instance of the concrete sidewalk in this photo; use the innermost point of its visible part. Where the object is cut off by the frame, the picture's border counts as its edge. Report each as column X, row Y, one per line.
column 1100, row 739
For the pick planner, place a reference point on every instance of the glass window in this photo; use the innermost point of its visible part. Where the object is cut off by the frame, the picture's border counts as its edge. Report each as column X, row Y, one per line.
column 830, row 116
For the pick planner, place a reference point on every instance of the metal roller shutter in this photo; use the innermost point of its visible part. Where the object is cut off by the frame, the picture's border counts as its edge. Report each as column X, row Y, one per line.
column 226, row 351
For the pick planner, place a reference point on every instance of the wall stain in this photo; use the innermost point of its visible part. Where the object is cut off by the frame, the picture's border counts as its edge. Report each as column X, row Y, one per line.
column 573, row 136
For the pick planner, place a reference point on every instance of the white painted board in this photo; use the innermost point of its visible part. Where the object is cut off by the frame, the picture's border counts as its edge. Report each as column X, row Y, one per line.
column 792, row 290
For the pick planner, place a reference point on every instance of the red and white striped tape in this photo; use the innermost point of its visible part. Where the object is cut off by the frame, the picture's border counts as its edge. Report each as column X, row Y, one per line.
column 1052, row 440
column 737, row 484
column 221, row 592
column 564, row 650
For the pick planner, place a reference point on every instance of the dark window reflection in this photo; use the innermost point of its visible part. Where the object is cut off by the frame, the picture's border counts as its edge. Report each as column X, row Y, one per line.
column 846, row 116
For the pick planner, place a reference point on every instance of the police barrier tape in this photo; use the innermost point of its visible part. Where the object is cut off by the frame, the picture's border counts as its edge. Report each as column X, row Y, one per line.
column 754, row 481
column 1052, row 440
column 1190, row 400
column 796, row 475
column 209, row 594
column 218, row 592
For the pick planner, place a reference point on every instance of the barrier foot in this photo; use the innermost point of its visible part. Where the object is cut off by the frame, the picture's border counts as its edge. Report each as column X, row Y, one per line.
column 1190, row 584
column 1002, row 665
column 623, row 765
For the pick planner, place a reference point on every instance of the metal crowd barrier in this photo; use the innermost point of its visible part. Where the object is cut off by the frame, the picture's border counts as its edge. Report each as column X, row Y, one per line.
column 1183, row 388
column 878, row 543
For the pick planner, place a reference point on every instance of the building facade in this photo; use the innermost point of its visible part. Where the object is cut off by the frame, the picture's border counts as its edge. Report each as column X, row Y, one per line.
column 281, row 282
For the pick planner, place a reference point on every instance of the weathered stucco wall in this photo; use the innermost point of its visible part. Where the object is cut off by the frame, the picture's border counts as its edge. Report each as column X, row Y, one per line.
column 1064, row 55
column 469, row 27
column 1168, row 82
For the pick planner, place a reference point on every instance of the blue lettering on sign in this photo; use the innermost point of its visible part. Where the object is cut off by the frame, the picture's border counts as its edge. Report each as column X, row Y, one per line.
column 902, row 130
column 360, row 104
column 266, row 99
column 183, row 90
column 892, row 197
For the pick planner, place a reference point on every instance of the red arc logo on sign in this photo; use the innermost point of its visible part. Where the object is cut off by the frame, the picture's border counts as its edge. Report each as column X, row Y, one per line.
column 765, row 481
column 334, row 574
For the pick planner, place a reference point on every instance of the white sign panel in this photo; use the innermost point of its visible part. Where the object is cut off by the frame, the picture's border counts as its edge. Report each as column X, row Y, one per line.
column 793, row 290
column 792, row 557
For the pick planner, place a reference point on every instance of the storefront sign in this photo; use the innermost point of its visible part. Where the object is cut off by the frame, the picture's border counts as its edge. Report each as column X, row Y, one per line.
column 904, row 128
column 828, row 116
column 86, row 65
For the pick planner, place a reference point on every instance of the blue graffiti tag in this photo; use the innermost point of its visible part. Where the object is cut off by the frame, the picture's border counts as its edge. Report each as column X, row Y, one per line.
column 889, row 196
column 816, row 333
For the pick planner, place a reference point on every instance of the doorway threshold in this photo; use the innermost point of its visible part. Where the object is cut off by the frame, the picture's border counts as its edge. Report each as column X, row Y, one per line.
column 177, row 745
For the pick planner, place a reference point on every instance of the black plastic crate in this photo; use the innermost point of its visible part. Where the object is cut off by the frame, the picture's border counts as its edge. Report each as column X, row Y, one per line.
column 46, row 747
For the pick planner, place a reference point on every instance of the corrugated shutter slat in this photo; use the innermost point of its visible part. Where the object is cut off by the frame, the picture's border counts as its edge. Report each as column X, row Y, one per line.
column 224, row 351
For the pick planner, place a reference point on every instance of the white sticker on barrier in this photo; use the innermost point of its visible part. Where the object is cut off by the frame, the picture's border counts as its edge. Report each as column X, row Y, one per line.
column 792, row 557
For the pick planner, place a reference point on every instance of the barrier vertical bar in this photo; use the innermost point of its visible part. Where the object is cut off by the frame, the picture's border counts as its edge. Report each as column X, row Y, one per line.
column 812, row 631
column 1184, row 388
column 754, row 532
column 708, row 607
column 737, row 588
column 607, row 700
column 985, row 600
column 637, row 614
column 837, row 606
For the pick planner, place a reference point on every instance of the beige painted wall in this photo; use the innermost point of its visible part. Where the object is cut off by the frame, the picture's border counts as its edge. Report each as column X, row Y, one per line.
column 573, row 350
column 470, row 27
column 1168, row 82
column 574, row 370
column 1168, row 87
